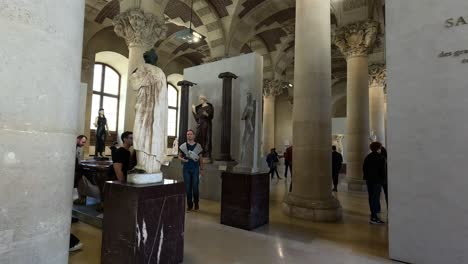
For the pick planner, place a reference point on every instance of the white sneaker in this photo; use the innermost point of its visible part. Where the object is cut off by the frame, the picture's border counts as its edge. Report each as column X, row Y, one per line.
column 76, row 247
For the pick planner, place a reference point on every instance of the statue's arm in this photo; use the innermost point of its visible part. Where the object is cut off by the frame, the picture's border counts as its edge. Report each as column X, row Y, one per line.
column 96, row 122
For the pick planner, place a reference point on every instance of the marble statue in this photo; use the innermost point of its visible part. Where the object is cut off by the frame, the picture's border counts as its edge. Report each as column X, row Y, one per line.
column 102, row 131
column 203, row 114
column 372, row 136
column 249, row 131
column 175, row 147
column 150, row 128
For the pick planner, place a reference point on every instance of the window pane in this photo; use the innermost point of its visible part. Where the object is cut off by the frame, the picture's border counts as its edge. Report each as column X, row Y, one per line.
column 97, row 77
column 172, row 122
column 94, row 109
column 110, row 111
column 172, row 96
column 111, row 81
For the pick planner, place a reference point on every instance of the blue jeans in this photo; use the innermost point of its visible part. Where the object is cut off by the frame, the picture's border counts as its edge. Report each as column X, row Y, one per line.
column 191, row 179
column 374, row 190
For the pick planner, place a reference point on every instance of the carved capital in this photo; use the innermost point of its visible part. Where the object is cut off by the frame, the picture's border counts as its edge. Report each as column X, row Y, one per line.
column 86, row 64
column 139, row 28
column 273, row 87
column 377, row 75
column 357, row 39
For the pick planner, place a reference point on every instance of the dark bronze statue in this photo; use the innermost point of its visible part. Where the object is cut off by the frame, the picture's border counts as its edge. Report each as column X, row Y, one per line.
column 203, row 114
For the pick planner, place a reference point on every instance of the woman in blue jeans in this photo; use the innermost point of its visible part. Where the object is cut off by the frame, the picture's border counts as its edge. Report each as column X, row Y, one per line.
column 191, row 156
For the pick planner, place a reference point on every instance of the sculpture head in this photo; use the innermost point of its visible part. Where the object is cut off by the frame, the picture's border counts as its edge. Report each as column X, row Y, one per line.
column 101, row 112
column 249, row 98
column 202, row 99
column 150, row 57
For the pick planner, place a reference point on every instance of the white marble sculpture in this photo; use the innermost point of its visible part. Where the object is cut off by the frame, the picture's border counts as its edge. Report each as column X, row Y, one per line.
column 246, row 157
column 175, row 147
column 149, row 132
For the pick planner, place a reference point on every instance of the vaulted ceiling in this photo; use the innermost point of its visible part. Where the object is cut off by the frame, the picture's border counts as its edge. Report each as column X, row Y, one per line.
column 233, row 27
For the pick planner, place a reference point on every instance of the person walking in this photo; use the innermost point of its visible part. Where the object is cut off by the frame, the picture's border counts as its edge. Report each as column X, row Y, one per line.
column 374, row 175
column 288, row 161
column 272, row 161
column 337, row 161
column 191, row 156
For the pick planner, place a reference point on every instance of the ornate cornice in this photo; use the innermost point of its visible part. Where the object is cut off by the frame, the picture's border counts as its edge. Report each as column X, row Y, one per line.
column 377, row 75
column 273, row 87
column 139, row 28
column 357, row 39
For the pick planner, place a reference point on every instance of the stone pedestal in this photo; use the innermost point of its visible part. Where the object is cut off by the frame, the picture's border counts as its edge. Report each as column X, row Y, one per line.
column 143, row 223
column 245, row 199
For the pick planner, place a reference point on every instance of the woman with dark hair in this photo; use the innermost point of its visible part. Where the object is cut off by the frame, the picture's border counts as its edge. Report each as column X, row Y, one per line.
column 102, row 130
column 374, row 170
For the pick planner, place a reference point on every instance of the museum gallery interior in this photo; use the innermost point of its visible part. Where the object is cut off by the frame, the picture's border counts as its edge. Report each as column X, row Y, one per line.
column 233, row 131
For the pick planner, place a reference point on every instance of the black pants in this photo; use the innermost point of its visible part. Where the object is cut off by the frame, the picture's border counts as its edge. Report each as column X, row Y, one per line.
column 335, row 176
column 374, row 189
column 286, row 166
column 273, row 169
column 385, row 189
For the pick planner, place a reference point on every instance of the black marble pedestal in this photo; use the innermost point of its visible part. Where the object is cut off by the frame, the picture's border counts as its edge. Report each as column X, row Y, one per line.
column 143, row 223
column 245, row 199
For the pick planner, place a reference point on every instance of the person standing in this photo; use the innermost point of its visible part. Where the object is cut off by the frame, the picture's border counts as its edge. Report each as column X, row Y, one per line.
column 383, row 152
column 122, row 157
column 80, row 143
column 374, row 175
column 288, row 161
column 337, row 161
column 272, row 161
column 191, row 156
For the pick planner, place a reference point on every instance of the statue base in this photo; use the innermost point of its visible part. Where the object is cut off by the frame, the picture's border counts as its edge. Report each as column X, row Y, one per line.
column 144, row 178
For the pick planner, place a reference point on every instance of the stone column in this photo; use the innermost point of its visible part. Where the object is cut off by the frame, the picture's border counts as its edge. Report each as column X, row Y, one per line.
column 355, row 41
column 40, row 74
column 140, row 31
column 271, row 89
column 184, row 109
column 227, row 77
column 377, row 82
column 311, row 197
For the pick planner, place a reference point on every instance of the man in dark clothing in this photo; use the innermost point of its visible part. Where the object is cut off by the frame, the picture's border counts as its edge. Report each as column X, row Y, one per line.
column 383, row 152
column 288, row 161
column 80, row 143
column 190, row 153
column 122, row 156
column 337, row 160
column 374, row 175
column 272, row 161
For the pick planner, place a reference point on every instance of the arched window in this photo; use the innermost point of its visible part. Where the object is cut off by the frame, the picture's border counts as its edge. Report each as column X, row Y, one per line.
column 172, row 113
column 106, row 91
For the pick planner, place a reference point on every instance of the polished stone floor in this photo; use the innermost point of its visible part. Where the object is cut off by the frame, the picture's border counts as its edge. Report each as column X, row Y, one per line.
column 284, row 240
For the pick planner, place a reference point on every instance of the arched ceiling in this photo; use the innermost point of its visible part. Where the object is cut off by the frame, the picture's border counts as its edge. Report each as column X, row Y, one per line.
column 233, row 27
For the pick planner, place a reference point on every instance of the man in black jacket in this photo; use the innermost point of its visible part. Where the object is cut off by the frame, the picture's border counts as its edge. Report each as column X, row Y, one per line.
column 375, row 176
column 337, row 160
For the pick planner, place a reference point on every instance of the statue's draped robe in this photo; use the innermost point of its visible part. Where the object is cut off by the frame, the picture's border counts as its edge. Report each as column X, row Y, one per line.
column 150, row 129
column 204, row 127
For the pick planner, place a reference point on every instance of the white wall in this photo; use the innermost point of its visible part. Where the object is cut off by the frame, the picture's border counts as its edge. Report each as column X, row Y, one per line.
column 249, row 69
column 427, row 128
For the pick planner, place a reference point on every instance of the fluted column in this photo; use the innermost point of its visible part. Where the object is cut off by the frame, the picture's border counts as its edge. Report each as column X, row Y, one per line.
column 40, row 75
column 141, row 31
column 355, row 41
column 311, row 196
column 271, row 89
column 377, row 81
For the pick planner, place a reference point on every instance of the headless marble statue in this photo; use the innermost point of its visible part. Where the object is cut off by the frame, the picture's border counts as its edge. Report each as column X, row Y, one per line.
column 248, row 116
column 149, row 132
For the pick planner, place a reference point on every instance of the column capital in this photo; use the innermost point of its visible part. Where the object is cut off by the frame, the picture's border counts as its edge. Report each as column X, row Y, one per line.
column 272, row 87
column 357, row 39
column 139, row 28
column 377, row 75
